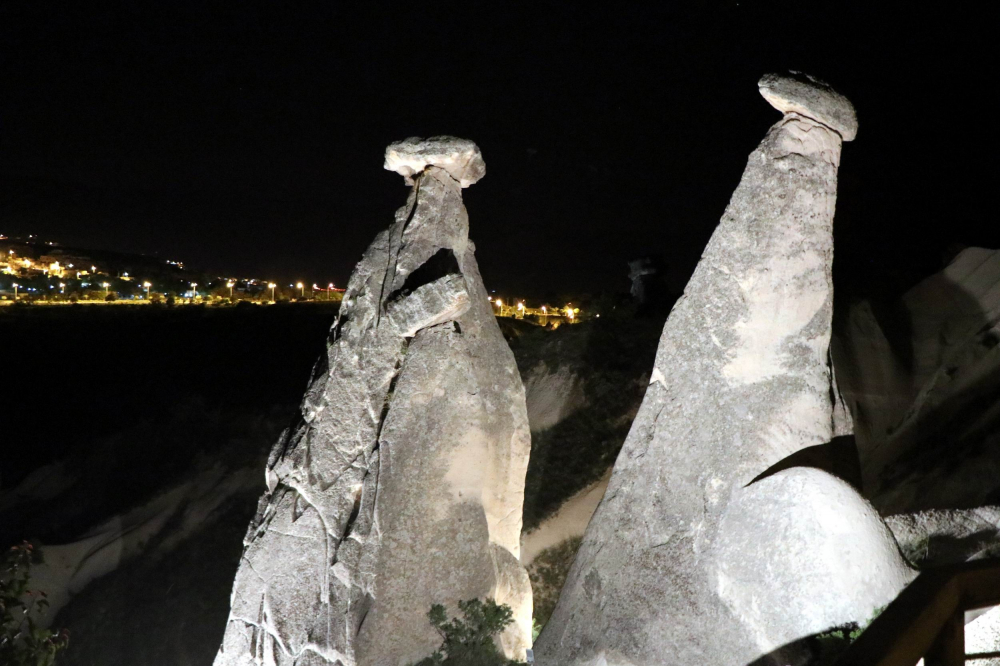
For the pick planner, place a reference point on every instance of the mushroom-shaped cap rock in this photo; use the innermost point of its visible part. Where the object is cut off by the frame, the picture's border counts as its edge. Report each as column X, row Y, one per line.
column 459, row 157
column 808, row 96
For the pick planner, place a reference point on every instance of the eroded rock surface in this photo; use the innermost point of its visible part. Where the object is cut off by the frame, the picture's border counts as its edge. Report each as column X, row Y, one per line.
column 741, row 381
column 402, row 486
column 947, row 536
column 922, row 382
column 806, row 95
column 800, row 552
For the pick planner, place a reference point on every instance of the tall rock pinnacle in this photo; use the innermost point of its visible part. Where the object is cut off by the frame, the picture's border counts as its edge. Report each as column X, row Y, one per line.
column 686, row 561
column 403, row 483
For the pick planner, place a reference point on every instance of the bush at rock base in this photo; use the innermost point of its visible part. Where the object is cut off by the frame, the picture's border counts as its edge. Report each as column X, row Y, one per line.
column 470, row 641
column 22, row 642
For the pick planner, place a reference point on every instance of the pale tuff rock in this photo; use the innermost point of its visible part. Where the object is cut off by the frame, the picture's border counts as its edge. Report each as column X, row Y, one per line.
column 742, row 380
column 982, row 636
column 459, row 157
column 552, row 394
column 937, row 537
column 803, row 544
column 403, row 484
column 151, row 530
column 923, row 393
column 947, row 536
column 568, row 522
column 808, row 96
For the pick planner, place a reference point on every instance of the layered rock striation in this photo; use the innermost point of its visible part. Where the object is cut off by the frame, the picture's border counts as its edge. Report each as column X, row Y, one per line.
column 704, row 549
column 403, row 483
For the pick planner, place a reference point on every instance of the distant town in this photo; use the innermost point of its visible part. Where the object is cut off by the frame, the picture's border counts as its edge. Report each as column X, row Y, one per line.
column 34, row 271
column 45, row 272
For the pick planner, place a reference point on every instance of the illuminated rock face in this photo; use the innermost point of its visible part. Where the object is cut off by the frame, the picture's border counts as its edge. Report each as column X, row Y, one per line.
column 947, row 536
column 675, row 566
column 403, row 484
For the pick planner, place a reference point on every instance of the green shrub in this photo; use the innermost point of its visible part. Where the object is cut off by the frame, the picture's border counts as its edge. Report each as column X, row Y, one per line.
column 470, row 641
column 832, row 644
column 22, row 642
column 548, row 573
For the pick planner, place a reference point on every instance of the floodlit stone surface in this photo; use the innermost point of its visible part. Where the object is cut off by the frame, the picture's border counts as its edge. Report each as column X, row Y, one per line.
column 947, row 536
column 800, row 552
column 982, row 636
column 808, row 96
column 403, row 484
column 460, row 158
column 741, row 381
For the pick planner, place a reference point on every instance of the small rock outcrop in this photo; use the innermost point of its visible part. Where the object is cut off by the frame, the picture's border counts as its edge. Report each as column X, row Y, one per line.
column 403, row 484
column 677, row 558
column 649, row 289
column 947, row 536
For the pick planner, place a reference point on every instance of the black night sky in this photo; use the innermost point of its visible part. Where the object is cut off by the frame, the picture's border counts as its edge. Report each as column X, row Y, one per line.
column 248, row 139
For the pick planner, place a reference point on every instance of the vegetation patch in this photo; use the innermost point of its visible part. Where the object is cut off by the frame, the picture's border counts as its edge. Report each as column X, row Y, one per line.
column 613, row 355
column 548, row 573
column 471, row 640
column 830, row 645
column 22, row 641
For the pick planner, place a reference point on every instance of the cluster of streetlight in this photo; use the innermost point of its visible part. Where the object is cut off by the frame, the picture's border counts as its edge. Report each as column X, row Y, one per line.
column 569, row 311
column 147, row 286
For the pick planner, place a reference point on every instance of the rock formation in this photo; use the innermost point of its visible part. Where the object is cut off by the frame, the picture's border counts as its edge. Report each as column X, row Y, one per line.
column 982, row 637
column 402, row 486
column 649, row 289
column 675, row 566
column 949, row 536
column 922, row 381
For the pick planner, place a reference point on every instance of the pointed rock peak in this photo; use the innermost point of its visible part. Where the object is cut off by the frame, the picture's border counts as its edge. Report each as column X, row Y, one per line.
column 461, row 158
column 808, row 96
